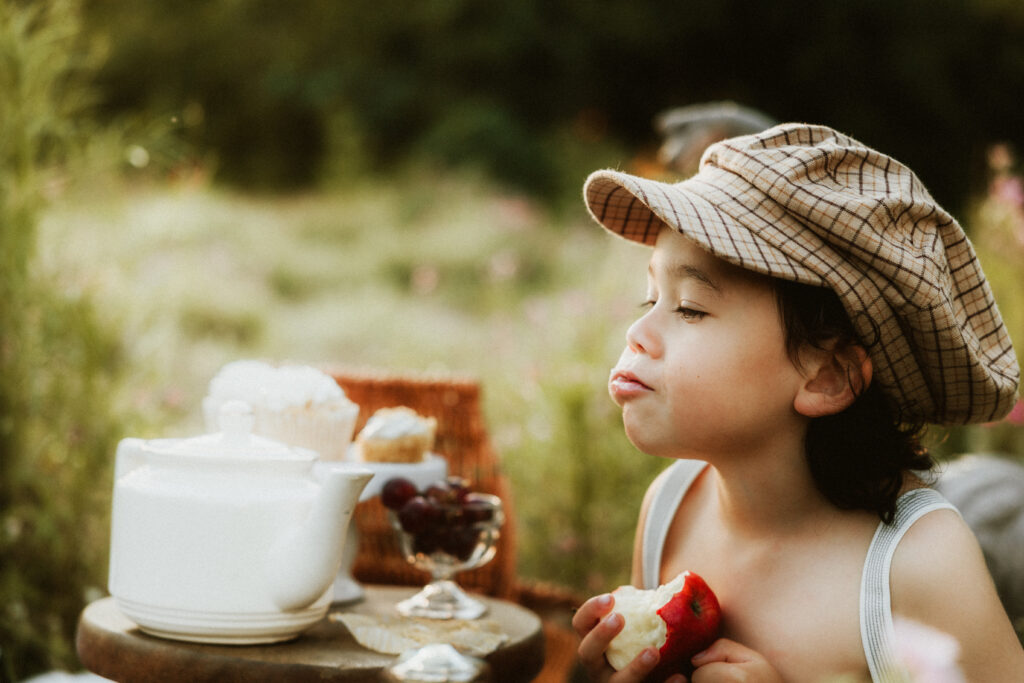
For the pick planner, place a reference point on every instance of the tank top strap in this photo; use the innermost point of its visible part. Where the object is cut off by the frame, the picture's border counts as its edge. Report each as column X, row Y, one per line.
column 665, row 500
column 876, row 624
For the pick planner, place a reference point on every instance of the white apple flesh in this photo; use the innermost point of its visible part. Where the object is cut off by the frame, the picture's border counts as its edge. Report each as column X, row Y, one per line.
column 679, row 619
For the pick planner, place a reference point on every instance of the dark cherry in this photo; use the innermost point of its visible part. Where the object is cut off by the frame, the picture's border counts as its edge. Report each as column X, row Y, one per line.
column 460, row 542
column 458, row 488
column 476, row 511
column 397, row 492
column 445, row 517
column 426, row 543
column 419, row 515
column 440, row 493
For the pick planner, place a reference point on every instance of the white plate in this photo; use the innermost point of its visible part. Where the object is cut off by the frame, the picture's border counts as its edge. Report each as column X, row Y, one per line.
column 423, row 474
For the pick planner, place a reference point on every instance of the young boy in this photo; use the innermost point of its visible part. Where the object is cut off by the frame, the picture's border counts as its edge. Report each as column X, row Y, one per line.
column 809, row 307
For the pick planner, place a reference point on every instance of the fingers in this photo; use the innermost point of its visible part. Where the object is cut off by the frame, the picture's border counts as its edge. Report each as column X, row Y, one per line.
column 638, row 669
column 595, row 643
column 591, row 612
column 727, row 660
column 597, row 628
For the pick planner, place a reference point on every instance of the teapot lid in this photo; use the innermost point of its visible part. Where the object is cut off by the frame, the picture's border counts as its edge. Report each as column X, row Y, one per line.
column 235, row 440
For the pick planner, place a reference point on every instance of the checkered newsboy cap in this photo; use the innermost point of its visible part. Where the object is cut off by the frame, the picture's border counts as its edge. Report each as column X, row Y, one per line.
column 806, row 203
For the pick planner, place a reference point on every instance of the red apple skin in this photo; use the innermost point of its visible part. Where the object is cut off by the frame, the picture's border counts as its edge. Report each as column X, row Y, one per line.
column 692, row 619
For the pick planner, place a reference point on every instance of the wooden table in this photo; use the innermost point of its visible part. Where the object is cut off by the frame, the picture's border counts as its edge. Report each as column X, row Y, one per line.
column 112, row 646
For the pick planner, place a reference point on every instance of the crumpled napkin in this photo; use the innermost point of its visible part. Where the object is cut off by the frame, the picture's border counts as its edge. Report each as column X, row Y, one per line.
column 393, row 634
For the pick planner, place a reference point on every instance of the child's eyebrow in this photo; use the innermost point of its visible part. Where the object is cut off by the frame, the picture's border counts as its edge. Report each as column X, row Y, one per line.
column 687, row 271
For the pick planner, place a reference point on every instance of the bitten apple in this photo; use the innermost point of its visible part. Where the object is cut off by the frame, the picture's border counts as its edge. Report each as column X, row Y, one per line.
column 679, row 618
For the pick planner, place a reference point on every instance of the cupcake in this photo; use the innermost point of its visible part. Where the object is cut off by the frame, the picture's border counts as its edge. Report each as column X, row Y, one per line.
column 295, row 404
column 397, row 435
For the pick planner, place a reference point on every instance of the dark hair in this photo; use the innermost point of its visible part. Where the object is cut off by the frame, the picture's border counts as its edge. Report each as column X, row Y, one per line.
column 858, row 458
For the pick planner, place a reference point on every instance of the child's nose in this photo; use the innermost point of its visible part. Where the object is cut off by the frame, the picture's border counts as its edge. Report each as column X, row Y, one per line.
column 641, row 338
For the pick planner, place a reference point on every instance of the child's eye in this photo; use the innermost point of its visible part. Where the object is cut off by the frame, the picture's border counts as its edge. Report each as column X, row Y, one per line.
column 690, row 313
column 648, row 304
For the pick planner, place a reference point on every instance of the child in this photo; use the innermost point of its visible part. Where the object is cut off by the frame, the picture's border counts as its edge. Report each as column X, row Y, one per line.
column 809, row 307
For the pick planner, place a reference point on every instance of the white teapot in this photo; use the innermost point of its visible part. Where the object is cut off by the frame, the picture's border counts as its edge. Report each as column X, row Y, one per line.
column 227, row 537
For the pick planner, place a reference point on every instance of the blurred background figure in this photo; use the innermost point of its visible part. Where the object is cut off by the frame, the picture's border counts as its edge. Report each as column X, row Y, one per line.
column 989, row 492
column 687, row 131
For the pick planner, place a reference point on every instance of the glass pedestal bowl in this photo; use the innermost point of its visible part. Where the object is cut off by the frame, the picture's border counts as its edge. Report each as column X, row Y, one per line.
column 438, row 663
column 444, row 541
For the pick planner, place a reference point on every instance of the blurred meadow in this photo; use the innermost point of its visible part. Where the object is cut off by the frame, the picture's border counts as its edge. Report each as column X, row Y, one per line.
column 398, row 186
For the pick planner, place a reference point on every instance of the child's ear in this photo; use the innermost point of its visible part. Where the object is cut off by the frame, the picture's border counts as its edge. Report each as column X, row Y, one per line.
column 835, row 376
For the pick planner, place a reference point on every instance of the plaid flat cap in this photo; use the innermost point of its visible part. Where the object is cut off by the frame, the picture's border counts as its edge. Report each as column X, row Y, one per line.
column 806, row 203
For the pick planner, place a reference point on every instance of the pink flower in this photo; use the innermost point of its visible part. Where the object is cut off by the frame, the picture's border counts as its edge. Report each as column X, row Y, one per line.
column 1016, row 415
column 1008, row 190
column 925, row 654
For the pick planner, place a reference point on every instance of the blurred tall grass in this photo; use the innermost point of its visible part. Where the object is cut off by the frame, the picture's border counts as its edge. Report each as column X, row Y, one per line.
column 60, row 364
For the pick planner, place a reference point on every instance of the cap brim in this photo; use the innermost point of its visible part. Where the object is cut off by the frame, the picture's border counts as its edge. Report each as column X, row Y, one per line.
column 638, row 208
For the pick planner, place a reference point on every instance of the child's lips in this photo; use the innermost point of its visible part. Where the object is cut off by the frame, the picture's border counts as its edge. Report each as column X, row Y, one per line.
column 624, row 384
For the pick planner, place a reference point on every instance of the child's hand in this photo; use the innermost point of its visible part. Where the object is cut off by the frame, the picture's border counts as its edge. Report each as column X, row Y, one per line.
column 727, row 660
column 597, row 625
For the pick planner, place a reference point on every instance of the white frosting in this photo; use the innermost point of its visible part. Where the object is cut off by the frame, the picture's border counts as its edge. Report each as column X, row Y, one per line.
column 394, row 423
column 275, row 388
column 301, row 385
column 240, row 380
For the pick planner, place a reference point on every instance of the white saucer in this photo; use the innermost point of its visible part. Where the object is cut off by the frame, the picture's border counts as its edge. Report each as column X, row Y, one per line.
column 423, row 474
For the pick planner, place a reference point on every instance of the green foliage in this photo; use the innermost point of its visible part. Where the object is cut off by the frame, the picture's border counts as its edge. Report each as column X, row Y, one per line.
column 486, row 136
column 997, row 222
column 56, row 477
column 282, row 92
column 58, row 361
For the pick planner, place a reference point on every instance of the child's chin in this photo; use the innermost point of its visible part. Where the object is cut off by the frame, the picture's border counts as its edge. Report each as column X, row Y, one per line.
column 643, row 442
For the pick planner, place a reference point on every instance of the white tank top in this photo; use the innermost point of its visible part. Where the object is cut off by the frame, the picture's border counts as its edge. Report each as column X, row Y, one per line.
column 876, row 626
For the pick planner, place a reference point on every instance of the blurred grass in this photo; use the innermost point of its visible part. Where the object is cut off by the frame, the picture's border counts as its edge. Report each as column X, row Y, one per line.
column 58, row 363
column 421, row 272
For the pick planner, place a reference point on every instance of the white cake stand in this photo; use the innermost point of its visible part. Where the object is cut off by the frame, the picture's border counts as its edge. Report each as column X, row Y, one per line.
column 422, row 474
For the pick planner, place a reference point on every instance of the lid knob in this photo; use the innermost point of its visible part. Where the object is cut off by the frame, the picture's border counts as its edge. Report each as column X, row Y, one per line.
column 236, row 420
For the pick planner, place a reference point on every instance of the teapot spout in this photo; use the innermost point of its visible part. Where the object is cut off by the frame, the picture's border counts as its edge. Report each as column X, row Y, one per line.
column 304, row 563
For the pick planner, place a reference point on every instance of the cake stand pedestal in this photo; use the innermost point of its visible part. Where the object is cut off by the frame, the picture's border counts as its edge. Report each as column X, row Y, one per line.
column 433, row 468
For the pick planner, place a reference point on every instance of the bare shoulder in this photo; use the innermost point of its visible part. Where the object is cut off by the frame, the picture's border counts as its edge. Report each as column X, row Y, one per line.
column 938, row 554
column 939, row 578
